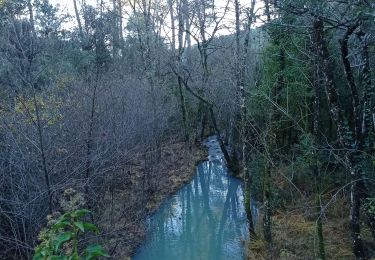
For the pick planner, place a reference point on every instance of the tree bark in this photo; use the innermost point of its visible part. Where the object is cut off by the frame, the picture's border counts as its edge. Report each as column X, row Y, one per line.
column 240, row 81
column 315, row 166
column 115, row 29
column 31, row 17
column 43, row 152
column 78, row 19
column 342, row 132
column 89, row 135
column 180, row 49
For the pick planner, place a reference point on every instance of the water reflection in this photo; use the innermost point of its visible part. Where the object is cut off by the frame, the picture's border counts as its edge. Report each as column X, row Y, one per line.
column 205, row 220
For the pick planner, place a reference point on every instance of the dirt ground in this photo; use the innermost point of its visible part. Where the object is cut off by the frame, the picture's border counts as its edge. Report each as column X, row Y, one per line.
column 146, row 180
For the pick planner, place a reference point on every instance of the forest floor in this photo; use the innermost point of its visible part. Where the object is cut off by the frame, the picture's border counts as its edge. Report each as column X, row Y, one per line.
column 295, row 237
column 294, row 230
column 123, row 211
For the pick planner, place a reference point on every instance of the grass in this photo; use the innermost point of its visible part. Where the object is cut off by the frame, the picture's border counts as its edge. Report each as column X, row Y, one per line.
column 294, row 231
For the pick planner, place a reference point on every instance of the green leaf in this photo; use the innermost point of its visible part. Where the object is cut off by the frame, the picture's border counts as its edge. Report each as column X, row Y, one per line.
column 90, row 227
column 80, row 225
column 80, row 213
column 94, row 251
column 86, row 226
column 42, row 252
column 38, row 256
column 58, row 257
column 60, row 224
column 62, row 238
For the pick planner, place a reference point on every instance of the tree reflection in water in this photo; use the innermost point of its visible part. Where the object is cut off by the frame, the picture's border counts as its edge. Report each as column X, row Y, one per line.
column 206, row 219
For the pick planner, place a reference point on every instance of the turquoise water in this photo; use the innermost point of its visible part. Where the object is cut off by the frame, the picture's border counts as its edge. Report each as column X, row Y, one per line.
column 206, row 219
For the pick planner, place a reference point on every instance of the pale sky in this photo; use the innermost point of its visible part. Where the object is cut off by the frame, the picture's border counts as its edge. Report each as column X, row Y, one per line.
column 66, row 6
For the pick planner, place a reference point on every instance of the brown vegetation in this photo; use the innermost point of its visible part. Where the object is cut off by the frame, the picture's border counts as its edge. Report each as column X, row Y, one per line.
column 123, row 214
column 295, row 236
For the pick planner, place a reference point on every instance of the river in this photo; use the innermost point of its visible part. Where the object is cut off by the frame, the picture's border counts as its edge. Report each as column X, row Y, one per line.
column 205, row 219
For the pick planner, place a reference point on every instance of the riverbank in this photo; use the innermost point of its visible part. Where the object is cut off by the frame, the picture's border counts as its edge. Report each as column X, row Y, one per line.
column 139, row 189
column 205, row 219
column 295, row 237
column 294, row 230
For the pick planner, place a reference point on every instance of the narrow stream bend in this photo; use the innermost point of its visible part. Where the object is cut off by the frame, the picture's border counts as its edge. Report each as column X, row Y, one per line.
column 206, row 219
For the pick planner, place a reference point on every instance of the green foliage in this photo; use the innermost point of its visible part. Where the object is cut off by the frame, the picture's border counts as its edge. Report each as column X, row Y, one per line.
column 257, row 165
column 47, row 17
column 295, row 96
column 49, row 108
column 60, row 240
column 370, row 205
column 307, row 146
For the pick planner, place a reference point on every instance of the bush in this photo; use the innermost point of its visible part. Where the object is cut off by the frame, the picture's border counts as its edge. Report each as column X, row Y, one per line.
column 60, row 240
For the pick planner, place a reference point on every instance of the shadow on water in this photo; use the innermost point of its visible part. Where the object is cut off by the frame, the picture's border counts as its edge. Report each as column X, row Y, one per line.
column 206, row 219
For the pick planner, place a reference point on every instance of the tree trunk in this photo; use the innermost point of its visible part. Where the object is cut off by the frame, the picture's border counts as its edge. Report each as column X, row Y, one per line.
column 119, row 4
column 342, row 132
column 267, row 206
column 267, row 10
column 359, row 133
column 78, row 20
column 115, row 29
column 31, row 17
column 43, row 152
column 179, row 63
column 170, row 4
column 185, row 18
column 315, row 166
column 368, row 110
column 89, row 136
column 240, row 80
